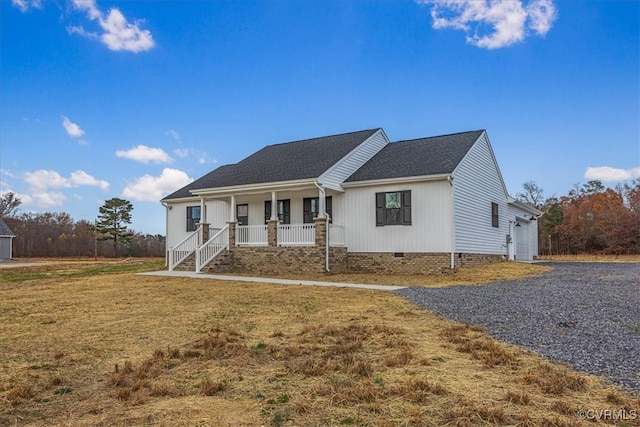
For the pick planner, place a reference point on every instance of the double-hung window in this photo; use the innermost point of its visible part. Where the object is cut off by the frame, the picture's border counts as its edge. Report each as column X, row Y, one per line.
column 311, row 209
column 393, row 208
column 284, row 211
column 193, row 217
column 495, row 220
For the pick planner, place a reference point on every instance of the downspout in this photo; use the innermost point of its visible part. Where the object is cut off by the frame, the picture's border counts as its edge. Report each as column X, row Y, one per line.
column 326, row 238
column 453, row 225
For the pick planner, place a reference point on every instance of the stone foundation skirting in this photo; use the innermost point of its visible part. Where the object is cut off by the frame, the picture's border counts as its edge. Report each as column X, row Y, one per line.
column 413, row 262
column 398, row 263
column 272, row 260
column 476, row 259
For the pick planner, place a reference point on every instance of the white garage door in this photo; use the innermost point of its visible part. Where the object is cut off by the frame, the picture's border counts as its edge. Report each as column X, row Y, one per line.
column 522, row 242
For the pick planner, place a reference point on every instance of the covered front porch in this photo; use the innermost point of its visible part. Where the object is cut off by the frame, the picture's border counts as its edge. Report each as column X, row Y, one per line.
column 259, row 246
column 295, row 215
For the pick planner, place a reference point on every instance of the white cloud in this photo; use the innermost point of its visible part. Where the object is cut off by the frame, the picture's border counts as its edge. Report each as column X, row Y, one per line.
column 121, row 35
column 174, row 134
column 25, row 5
column 88, row 6
column 79, row 30
column 181, row 152
column 44, row 179
column 151, row 188
column 46, row 199
column 41, row 181
column 71, row 128
column 609, row 174
column 79, row 178
column 118, row 34
column 493, row 24
column 7, row 173
column 542, row 14
column 115, row 31
column 144, row 154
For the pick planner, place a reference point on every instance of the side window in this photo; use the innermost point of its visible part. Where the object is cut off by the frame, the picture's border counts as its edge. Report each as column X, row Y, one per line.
column 495, row 220
column 193, row 217
column 393, row 208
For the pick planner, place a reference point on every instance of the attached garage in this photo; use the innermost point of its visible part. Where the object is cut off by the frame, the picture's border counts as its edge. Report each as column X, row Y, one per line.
column 522, row 241
column 523, row 231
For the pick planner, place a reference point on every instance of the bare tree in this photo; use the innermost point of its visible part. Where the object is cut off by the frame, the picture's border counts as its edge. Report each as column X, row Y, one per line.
column 9, row 203
column 532, row 195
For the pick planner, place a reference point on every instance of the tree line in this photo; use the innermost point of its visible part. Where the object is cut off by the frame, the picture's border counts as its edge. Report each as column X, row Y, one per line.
column 588, row 219
column 56, row 234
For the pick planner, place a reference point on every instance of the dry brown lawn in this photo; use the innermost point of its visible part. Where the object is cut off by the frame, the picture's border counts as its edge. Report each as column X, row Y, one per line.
column 116, row 348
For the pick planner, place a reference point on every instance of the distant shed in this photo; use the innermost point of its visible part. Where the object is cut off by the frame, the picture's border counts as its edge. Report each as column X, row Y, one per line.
column 6, row 240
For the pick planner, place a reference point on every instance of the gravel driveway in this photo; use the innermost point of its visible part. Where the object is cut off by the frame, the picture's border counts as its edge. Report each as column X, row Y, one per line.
column 586, row 314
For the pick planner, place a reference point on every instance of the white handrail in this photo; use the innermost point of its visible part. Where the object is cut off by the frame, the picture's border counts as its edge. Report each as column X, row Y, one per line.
column 296, row 234
column 211, row 249
column 254, row 235
column 182, row 250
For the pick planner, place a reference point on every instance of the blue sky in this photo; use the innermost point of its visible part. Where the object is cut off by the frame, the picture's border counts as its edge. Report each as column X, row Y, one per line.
column 103, row 99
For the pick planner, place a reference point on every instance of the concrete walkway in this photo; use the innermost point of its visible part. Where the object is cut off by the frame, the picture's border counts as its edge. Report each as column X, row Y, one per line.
column 194, row 275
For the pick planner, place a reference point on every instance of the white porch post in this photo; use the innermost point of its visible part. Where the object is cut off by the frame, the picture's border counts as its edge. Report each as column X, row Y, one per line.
column 322, row 203
column 232, row 209
column 274, row 206
column 203, row 211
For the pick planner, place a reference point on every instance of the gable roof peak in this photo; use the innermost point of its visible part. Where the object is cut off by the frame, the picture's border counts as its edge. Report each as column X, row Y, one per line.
column 434, row 155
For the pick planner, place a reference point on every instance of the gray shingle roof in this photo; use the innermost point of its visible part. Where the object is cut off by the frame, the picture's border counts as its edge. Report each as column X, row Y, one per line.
column 289, row 161
column 417, row 157
column 5, row 230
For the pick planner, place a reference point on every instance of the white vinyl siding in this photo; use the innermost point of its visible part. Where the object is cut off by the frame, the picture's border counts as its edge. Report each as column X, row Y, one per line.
column 478, row 184
column 217, row 214
column 431, row 219
column 337, row 174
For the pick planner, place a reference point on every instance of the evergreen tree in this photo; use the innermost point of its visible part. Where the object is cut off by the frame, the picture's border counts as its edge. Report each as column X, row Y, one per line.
column 114, row 215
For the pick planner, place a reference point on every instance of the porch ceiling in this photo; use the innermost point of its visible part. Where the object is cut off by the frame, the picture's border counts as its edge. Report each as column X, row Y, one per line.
column 268, row 187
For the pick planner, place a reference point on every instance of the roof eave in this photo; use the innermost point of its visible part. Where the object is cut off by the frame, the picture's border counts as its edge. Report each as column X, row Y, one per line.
column 525, row 206
column 399, row 180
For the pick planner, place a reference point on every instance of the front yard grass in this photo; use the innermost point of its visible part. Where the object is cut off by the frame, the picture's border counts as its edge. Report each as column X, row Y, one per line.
column 114, row 349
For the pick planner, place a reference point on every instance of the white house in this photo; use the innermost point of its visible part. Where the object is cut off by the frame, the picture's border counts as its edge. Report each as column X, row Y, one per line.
column 351, row 202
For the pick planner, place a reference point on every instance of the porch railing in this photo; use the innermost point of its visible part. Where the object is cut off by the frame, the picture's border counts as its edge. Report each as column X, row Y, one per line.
column 211, row 249
column 251, row 235
column 182, row 250
column 336, row 235
column 296, row 234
